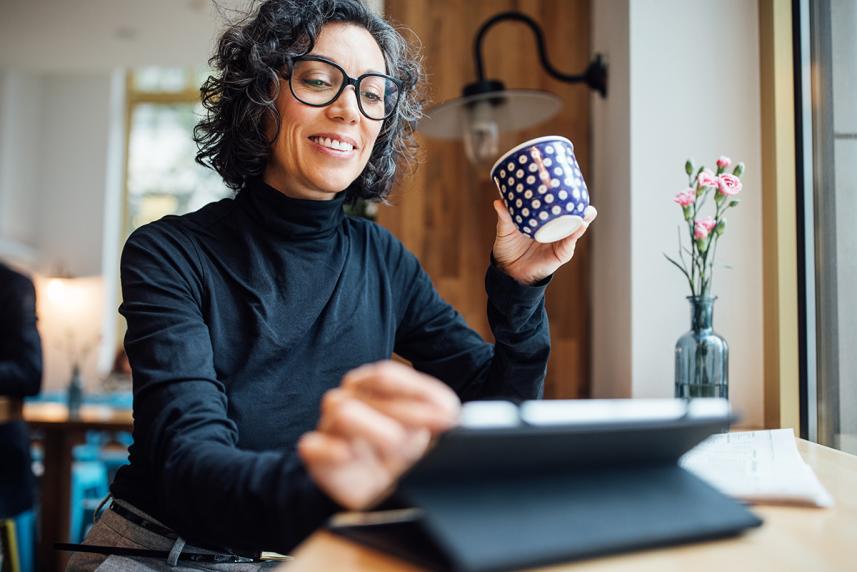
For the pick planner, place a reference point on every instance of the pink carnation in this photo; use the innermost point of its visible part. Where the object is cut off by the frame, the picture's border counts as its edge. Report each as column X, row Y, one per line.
column 706, row 179
column 701, row 228
column 685, row 198
column 728, row 184
column 723, row 162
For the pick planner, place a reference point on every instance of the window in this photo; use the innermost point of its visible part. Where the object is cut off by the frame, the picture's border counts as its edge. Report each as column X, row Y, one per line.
column 162, row 176
column 826, row 80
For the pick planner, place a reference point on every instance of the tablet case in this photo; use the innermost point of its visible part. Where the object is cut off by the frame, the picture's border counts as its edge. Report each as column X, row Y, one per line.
column 507, row 498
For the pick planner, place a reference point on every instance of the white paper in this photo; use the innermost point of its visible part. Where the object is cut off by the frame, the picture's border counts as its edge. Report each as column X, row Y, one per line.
column 757, row 467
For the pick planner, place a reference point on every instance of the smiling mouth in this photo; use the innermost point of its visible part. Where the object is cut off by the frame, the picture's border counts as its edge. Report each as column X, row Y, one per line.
column 334, row 144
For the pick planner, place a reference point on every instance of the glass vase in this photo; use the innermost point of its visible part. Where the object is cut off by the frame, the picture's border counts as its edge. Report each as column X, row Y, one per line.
column 701, row 355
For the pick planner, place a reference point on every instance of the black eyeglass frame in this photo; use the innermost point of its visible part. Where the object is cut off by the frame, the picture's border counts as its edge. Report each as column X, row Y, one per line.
column 346, row 81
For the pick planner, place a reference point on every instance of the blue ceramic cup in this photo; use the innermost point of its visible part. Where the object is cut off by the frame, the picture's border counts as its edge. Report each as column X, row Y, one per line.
column 540, row 182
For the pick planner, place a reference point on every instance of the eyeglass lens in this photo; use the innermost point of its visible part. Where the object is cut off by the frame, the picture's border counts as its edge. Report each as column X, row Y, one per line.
column 318, row 83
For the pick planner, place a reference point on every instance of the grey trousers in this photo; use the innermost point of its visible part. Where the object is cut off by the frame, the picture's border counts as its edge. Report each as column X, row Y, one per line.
column 112, row 530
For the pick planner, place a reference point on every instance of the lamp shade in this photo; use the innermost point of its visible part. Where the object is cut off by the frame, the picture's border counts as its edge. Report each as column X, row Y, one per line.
column 511, row 110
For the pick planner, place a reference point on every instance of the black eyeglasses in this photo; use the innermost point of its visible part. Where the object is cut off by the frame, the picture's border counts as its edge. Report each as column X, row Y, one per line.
column 318, row 82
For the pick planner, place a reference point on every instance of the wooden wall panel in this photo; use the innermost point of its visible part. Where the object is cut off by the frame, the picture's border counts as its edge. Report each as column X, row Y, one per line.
column 443, row 212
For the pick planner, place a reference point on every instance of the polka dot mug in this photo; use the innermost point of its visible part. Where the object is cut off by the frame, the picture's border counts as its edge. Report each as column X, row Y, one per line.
column 540, row 182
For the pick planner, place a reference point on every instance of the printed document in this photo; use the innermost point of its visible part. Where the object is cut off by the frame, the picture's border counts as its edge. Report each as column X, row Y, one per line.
column 757, row 467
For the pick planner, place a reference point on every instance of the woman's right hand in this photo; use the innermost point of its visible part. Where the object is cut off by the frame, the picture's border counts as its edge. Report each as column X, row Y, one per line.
column 373, row 427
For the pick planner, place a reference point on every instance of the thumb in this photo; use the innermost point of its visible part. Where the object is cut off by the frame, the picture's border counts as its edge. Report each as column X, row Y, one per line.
column 505, row 224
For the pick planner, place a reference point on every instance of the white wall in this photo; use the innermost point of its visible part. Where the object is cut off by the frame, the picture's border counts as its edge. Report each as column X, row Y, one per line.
column 693, row 89
column 609, row 186
column 21, row 105
column 71, row 174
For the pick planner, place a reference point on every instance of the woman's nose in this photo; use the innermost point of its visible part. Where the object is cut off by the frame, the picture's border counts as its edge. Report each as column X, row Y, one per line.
column 345, row 107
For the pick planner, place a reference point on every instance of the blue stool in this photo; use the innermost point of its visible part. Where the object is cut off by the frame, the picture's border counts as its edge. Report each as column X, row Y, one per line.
column 88, row 486
column 25, row 529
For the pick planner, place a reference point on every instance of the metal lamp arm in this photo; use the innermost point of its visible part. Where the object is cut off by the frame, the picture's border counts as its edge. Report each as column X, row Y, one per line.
column 595, row 74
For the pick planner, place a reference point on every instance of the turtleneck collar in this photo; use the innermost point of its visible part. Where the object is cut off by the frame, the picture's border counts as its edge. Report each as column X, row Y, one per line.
column 295, row 219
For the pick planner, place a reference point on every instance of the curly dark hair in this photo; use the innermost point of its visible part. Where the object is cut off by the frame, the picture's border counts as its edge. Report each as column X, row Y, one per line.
column 240, row 103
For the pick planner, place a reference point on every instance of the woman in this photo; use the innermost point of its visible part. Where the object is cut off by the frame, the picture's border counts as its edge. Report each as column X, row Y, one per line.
column 251, row 322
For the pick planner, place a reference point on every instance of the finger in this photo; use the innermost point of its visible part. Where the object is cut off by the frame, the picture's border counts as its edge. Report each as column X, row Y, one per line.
column 414, row 415
column 350, row 418
column 316, row 448
column 590, row 213
column 393, row 380
column 505, row 224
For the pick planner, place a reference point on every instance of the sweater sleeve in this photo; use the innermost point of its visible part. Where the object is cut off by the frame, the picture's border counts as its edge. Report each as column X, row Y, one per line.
column 20, row 345
column 208, row 490
column 435, row 338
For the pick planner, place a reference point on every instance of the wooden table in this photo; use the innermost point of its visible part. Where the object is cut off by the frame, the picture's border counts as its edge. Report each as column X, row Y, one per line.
column 792, row 538
column 61, row 434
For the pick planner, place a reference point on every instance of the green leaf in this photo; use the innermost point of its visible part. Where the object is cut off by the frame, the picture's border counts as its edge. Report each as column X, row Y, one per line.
column 688, row 166
column 734, row 203
column 738, row 170
column 677, row 264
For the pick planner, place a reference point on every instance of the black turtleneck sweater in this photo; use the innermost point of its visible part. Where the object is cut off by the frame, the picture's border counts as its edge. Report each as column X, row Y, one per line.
column 242, row 314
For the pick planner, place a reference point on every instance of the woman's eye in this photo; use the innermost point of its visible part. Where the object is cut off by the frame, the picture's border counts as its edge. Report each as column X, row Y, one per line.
column 316, row 83
column 371, row 97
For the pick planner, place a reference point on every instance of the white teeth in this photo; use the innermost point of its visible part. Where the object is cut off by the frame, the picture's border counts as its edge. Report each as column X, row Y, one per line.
column 333, row 143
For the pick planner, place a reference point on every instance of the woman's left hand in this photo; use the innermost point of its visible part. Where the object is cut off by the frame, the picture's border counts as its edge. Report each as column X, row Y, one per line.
column 527, row 260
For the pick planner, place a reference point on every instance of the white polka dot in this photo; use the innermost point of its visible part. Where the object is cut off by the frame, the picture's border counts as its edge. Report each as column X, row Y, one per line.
column 556, row 210
column 554, row 183
column 519, row 219
column 520, row 173
column 548, row 198
column 575, row 193
column 560, row 150
column 522, row 159
column 533, row 167
column 525, row 211
column 543, row 215
column 511, row 166
column 519, row 202
column 549, row 149
column 527, row 229
column 533, row 222
column 569, row 206
column 502, row 173
column 528, row 194
column 519, row 187
column 542, row 189
column 510, row 180
column 531, row 179
column 537, row 203
column 511, row 196
column 547, row 162
column 569, row 182
column 544, row 175
column 558, row 171
column 562, row 194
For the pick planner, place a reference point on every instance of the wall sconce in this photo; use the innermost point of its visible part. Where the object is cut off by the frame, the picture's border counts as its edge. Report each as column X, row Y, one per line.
column 486, row 108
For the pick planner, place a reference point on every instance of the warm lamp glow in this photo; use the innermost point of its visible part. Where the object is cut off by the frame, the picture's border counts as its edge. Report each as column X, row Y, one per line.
column 70, row 313
column 55, row 291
